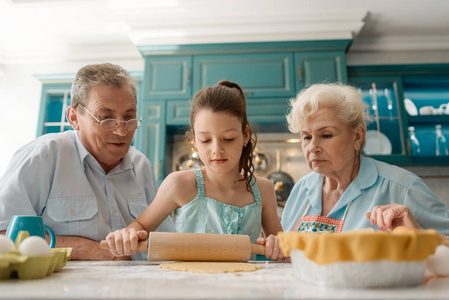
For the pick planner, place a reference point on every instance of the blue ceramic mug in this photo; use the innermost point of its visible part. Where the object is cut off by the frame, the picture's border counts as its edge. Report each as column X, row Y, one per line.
column 33, row 224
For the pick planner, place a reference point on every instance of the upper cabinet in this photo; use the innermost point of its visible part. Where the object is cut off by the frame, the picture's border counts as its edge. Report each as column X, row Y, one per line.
column 259, row 75
column 270, row 74
column 418, row 129
column 319, row 67
column 168, row 77
column 55, row 98
column 386, row 133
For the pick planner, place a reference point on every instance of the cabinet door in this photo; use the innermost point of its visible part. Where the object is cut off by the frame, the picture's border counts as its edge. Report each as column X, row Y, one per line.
column 259, row 75
column 178, row 112
column 53, row 109
column 267, row 110
column 426, row 101
column 386, row 137
column 319, row 67
column 152, row 135
column 167, row 77
column 259, row 110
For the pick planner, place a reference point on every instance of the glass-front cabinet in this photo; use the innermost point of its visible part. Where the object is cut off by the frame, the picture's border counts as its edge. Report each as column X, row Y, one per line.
column 54, row 102
column 410, row 109
column 386, row 134
column 426, row 100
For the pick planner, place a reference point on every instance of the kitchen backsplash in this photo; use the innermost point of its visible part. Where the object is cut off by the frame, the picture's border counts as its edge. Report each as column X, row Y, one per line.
column 294, row 164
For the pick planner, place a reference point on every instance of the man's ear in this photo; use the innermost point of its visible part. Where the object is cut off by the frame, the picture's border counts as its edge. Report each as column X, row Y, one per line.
column 72, row 117
column 359, row 136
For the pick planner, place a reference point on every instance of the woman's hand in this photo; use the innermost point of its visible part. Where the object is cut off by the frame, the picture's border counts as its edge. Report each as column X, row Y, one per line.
column 124, row 242
column 388, row 217
column 272, row 248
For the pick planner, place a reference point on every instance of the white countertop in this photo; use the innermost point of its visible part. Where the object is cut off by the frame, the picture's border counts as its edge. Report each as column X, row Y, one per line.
column 144, row 280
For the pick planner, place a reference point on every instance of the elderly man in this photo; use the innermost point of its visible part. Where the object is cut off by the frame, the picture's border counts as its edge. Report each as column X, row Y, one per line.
column 87, row 182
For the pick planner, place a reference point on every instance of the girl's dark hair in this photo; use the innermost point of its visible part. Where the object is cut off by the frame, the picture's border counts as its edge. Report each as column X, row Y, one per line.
column 227, row 96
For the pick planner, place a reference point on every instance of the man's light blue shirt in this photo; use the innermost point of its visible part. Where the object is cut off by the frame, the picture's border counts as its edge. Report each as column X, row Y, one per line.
column 55, row 177
column 377, row 183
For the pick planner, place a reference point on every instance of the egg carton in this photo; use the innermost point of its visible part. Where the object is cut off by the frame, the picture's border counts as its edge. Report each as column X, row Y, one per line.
column 15, row 265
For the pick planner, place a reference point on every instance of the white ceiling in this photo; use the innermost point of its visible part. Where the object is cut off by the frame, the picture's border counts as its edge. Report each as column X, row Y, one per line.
column 72, row 30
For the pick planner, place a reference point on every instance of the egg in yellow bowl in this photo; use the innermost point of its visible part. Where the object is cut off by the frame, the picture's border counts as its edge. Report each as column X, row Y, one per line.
column 360, row 258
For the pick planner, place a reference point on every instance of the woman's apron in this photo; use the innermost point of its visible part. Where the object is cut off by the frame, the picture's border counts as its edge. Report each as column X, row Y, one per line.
column 320, row 224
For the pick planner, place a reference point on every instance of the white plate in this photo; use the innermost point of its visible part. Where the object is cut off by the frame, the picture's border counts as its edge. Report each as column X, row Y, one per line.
column 410, row 107
column 377, row 143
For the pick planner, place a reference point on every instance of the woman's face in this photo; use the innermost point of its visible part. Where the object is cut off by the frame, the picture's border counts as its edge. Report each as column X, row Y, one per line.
column 329, row 144
column 219, row 140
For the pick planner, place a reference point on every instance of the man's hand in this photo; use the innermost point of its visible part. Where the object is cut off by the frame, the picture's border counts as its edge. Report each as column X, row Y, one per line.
column 86, row 249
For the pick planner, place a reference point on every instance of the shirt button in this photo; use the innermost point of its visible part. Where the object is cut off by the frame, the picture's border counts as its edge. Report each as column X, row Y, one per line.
column 73, row 212
column 114, row 213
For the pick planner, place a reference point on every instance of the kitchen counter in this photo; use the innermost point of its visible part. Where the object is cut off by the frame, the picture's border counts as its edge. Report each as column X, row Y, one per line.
column 144, row 280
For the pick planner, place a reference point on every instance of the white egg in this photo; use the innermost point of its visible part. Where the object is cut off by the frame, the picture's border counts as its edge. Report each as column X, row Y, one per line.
column 6, row 244
column 34, row 246
column 438, row 263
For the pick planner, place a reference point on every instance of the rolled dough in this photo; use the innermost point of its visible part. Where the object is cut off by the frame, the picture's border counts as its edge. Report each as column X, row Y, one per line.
column 210, row 267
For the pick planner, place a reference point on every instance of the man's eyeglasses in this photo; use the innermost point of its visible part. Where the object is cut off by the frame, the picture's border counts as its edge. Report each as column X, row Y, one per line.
column 112, row 124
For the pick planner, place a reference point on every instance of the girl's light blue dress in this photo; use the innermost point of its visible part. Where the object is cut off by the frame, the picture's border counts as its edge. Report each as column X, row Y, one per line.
column 206, row 215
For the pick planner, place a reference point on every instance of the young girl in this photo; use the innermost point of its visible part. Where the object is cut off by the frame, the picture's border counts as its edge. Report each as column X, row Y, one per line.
column 222, row 197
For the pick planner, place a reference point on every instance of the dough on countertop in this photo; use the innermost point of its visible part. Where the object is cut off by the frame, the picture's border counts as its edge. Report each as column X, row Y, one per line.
column 210, row 267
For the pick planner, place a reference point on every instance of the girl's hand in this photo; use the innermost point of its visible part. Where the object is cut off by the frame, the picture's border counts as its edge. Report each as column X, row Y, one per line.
column 388, row 217
column 272, row 248
column 124, row 242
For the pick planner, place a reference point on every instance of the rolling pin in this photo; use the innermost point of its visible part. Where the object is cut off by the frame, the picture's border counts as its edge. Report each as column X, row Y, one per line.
column 163, row 246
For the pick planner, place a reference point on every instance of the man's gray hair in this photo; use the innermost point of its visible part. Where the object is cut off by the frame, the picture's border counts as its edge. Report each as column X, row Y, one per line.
column 94, row 75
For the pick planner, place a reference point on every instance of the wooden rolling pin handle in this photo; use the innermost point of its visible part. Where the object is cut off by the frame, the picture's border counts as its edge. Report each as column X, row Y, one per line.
column 141, row 246
column 257, row 249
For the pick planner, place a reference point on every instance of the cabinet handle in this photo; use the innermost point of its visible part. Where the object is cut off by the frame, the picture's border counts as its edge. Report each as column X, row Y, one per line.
column 299, row 74
column 159, row 169
column 248, row 94
column 188, row 77
column 409, row 148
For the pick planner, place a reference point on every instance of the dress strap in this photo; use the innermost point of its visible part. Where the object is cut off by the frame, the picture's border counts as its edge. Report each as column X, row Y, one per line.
column 255, row 190
column 199, row 182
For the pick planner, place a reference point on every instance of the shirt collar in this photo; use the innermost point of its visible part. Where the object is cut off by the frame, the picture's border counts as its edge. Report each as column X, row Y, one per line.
column 366, row 177
column 125, row 164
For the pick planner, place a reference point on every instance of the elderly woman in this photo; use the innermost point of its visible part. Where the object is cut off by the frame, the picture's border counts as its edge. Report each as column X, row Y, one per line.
column 347, row 190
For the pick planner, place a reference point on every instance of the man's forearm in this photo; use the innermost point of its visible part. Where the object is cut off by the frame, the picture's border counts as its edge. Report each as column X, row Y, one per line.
column 85, row 249
column 82, row 248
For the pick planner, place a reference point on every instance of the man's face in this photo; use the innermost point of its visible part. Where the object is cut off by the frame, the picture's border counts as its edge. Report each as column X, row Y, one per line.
column 108, row 147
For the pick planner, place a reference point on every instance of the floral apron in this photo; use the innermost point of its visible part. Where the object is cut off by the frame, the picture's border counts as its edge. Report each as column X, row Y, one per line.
column 320, row 224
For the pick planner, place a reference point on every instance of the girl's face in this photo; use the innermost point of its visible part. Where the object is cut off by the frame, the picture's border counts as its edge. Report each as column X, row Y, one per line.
column 219, row 140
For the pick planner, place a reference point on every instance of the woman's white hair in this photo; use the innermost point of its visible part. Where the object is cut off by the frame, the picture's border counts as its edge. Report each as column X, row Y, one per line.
column 344, row 100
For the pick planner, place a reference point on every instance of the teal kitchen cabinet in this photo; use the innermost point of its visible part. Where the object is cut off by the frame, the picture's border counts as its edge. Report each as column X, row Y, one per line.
column 386, row 136
column 266, row 71
column 151, row 136
column 259, row 110
column 416, row 86
column 319, row 67
column 55, row 98
column 259, row 75
column 168, row 77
